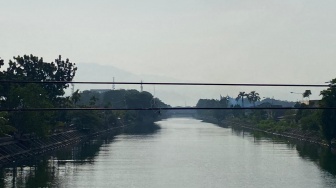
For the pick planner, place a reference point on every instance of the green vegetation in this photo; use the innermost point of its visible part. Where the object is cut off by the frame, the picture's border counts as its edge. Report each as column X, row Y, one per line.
column 5, row 128
column 241, row 96
column 36, row 95
column 320, row 124
column 122, row 99
column 219, row 115
column 253, row 97
column 18, row 96
column 277, row 126
column 328, row 116
column 306, row 94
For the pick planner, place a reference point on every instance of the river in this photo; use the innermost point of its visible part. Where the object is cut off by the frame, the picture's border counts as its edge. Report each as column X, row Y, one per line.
column 185, row 152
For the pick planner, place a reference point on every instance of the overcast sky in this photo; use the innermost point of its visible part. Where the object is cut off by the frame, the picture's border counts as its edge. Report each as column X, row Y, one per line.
column 230, row 41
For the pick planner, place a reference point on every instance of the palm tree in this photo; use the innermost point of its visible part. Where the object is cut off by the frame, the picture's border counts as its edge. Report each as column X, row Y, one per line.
column 241, row 96
column 253, row 97
column 250, row 96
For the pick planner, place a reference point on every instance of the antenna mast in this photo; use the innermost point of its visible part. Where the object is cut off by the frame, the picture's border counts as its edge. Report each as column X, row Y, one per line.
column 113, row 85
column 141, row 87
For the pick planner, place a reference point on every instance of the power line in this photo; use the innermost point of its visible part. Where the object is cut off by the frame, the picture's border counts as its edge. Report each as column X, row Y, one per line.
column 165, row 83
column 158, row 109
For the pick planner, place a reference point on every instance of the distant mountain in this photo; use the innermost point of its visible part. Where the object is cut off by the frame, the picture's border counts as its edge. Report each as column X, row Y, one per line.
column 172, row 95
column 105, row 73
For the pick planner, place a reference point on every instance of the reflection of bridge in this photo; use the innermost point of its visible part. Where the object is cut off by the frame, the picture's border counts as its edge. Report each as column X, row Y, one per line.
column 182, row 113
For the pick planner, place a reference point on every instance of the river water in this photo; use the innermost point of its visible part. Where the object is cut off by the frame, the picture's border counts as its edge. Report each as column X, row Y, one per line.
column 185, row 152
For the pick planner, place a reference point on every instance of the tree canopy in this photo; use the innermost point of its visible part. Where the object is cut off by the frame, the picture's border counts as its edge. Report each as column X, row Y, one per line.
column 328, row 116
column 306, row 94
column 29, row 95
column 253, row 97
column 33, row 68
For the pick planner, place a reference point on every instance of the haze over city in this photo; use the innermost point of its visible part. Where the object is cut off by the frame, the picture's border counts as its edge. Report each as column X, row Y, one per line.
column 231, row 41
column 224, row 93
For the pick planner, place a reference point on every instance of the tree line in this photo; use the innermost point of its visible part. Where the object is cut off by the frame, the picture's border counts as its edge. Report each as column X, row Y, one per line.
column 32, row 95
column 321, row 122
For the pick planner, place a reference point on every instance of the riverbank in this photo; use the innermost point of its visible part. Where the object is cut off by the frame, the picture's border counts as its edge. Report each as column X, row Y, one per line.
column 13, row 150
column 294, row 133
column 288, row 132
column 181, row 154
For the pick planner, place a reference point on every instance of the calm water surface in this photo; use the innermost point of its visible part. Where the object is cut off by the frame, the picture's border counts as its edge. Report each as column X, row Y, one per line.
column 183, row 153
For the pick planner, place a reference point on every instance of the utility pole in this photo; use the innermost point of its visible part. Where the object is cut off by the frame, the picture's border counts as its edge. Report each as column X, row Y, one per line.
column 141, row 87
column 113, row 85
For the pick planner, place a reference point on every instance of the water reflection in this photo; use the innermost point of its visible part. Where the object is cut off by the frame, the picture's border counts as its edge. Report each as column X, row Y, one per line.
column 143, row 129
column 50, row 169
column 58, row 168
column 321, row 155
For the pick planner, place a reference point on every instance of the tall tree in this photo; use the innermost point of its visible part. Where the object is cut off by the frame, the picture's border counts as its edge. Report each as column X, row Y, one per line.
column 328, row 117
column 25, row 95
column 241, row 96
column 31, row 96
column 75, row 97
column 222, row 103
column 253, row 97
column 33, row 68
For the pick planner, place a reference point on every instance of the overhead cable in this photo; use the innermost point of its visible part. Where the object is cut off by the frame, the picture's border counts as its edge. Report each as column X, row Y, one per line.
column 163, row 109
column 165, row 83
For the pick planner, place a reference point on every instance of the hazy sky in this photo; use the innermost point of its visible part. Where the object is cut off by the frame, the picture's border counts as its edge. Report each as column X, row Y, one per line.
column 231, row 41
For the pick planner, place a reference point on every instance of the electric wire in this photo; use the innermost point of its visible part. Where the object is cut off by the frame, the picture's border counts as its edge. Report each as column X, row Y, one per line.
column 166, row 83
column 164, row 109
column 153, row 108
